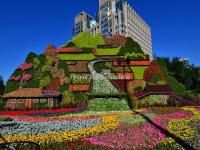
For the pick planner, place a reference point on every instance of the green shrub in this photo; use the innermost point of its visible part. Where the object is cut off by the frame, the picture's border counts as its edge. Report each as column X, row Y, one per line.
column 111, row 104
column 11, row 86
column 36, row 62
column 155, row 78
column 45, row 81
column 68, row 99
column 138, row 88
column 99, row 66
column 32, row 83
column 63, row 65
column 2, row 104
column 63, row 88
column 30, row 57
column 152, row 100
column 80, row 97
column 46, row 68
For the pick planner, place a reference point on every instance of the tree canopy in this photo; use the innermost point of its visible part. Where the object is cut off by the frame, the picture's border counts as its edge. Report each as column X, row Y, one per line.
column 2, row 86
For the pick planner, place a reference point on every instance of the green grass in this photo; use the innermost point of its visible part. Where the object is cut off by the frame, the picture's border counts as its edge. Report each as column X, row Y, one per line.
column 81, row 56
column 107, row 51
column 138, row 71
column 135, row 119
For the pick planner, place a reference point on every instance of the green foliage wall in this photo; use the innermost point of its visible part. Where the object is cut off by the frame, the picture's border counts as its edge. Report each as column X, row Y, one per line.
column 132, row 50
column 86, row 40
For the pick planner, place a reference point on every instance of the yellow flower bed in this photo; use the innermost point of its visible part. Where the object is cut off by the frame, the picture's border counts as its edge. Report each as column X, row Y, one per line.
column 108, row 122
column 180, row 127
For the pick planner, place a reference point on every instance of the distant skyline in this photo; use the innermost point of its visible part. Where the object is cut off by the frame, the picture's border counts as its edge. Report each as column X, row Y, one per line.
column 34, row 24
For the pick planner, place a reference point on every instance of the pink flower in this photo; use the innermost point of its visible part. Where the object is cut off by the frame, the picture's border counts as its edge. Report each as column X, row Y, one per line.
column 26, row 77
column 25, row 66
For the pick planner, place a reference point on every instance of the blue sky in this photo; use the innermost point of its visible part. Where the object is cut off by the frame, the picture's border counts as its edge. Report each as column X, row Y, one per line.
column 30, row 25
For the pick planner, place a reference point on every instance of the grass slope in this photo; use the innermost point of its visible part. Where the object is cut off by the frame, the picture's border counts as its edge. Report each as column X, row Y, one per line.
column 107, row 51
column 138, row 71
column 81, row 56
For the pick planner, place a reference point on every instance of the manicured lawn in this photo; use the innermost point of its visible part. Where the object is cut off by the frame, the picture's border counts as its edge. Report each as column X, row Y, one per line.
column 138, row 71
column 107, row 51
column 76, row 56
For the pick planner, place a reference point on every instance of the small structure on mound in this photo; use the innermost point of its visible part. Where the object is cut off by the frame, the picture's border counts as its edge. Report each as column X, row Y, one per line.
column 32, row 98
column 154, row 90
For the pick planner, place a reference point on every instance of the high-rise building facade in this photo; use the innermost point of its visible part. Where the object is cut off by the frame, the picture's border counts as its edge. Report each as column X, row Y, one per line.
column 118, row 17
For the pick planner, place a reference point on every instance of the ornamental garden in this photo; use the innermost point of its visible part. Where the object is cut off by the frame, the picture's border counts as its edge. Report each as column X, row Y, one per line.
column 98, row 93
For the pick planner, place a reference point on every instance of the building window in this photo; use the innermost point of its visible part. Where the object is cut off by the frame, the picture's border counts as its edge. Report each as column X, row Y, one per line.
column 35, row 101
column 21, row 101
column 43, row 100
column 13, row 100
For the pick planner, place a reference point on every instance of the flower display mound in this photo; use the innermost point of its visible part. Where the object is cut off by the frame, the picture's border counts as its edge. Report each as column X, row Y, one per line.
column 111, row 104
column 107, row 123
column 38, row 112
column 145, row 136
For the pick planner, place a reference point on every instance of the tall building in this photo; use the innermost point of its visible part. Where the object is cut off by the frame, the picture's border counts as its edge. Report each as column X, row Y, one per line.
column 118, row 17
column 83, row 22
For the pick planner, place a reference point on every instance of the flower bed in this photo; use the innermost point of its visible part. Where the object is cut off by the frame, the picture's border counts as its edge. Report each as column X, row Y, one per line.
column 35, row 112
column 108, row 122
column 49, row 119
column 24, row 128
column 137, row 137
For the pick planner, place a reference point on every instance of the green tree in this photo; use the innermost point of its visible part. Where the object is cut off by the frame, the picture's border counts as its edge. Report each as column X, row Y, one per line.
column 30, row 57
column 36, row 62
column 45, row 81
column 2, row 86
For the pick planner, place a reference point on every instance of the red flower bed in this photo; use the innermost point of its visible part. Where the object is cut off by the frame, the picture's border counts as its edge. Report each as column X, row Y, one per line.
column 120, row 84
column 116, row 40
column 154, row 68
column 131, row 63
column 48, row 119
column 128, row 75
column 29, row 112
column 79, row 67
column 74, row 88
column 68, row 50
